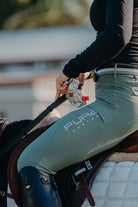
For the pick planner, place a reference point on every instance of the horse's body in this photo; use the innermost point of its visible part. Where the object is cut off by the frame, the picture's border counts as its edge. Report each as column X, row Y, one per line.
column 73, row 188
column 71, row 184
column 116, row 183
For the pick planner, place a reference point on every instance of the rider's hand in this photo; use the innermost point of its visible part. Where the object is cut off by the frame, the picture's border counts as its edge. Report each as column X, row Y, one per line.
column 63, row 88
column 60, row 86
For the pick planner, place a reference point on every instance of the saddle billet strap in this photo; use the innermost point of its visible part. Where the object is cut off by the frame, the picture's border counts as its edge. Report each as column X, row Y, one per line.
column 92, row 167
column 74, row 182
column 86, row 171
column 87, row 192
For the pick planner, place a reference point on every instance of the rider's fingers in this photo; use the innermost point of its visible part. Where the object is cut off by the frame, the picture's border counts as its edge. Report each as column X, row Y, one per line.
column 61, row 90
column 61, row 79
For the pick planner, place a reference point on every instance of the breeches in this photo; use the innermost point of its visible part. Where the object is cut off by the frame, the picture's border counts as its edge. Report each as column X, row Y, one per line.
column 89, row 130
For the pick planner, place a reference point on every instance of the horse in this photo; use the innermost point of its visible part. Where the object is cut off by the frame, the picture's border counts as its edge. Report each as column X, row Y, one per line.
column 75, row 183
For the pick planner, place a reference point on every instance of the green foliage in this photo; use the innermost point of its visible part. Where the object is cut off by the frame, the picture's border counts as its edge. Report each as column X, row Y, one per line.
column 21, row 14
column 10, row 7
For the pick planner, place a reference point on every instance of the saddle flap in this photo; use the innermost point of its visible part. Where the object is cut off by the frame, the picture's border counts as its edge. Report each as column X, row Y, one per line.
column 12, row 172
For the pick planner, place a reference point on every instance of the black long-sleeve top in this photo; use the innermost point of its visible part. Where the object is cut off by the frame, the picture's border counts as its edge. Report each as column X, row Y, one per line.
column 116, row 23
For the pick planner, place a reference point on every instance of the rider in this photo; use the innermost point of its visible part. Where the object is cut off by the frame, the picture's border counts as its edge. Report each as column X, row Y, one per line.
column 99, row 125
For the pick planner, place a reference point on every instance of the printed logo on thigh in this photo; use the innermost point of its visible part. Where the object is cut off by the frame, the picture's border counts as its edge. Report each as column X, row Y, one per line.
column 80, row 121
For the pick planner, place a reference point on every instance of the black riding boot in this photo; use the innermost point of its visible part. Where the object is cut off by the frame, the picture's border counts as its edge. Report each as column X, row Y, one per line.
column 38, row 190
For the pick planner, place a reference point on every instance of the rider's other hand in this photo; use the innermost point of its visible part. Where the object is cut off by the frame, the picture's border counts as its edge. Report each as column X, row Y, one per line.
column 60, row 86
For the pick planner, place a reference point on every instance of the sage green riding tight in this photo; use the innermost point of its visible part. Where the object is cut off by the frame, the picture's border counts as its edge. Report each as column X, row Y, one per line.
column 89, row 130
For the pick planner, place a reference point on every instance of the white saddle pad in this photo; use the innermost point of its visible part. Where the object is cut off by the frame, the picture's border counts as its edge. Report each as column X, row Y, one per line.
column 116, row 185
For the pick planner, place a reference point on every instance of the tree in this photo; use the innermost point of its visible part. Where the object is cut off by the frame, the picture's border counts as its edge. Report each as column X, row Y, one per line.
column 21, row 14
column 10, row 7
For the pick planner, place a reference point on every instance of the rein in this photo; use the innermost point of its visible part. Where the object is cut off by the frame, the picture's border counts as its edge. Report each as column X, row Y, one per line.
column 26, row 130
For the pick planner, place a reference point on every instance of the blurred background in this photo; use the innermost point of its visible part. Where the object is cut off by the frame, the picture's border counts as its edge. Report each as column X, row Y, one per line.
column 37, row 37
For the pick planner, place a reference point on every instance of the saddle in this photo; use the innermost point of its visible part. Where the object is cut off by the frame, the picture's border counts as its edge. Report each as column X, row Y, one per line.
column 73, row 182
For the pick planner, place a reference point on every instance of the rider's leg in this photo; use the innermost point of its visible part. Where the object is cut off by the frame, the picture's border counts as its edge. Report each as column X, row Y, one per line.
column 87, row 131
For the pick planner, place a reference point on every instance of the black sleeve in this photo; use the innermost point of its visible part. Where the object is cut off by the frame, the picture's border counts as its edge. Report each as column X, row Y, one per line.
column 109, row 43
